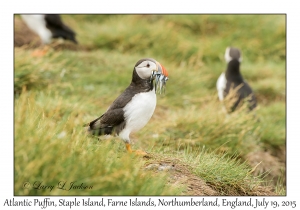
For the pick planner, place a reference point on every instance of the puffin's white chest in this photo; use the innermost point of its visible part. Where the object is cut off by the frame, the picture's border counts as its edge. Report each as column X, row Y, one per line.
column 138, row 112
column 221, row 85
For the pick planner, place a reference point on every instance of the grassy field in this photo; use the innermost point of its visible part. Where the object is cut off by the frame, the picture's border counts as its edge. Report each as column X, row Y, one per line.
column 194, row 147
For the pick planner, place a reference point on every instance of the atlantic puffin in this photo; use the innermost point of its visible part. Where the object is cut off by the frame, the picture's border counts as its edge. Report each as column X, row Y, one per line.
column 132, row 110
column 232, row 80
column 48, row 27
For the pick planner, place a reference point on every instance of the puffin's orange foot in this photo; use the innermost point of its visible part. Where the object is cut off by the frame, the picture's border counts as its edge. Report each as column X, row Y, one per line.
column 140, row 152
column 136, row 152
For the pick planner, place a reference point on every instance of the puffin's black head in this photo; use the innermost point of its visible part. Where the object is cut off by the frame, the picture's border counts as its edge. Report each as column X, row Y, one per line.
column 150, row 69
column 147, row 66
column 232, row 53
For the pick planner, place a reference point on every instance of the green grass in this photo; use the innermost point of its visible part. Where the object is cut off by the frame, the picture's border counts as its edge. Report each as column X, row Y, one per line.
column 59, row 92
column 59, row 151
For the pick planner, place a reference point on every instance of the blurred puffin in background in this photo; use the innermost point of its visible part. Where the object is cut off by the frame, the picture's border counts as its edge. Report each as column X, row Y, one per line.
column 132, row 110
column 48, row 27
column 231, row 81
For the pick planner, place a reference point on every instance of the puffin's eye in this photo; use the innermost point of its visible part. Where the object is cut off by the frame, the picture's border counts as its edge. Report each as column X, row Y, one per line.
column 148, row 65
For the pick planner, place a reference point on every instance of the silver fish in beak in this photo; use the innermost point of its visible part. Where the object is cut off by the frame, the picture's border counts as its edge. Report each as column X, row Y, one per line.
column 160, row 78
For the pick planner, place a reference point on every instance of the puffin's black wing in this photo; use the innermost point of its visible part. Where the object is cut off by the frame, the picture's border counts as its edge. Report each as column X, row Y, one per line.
column 244, row 92
column 111, row 121
column 58, row 28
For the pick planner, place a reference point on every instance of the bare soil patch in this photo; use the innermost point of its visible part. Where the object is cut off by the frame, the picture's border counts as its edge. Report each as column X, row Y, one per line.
column 180, row 174
column 273, row 167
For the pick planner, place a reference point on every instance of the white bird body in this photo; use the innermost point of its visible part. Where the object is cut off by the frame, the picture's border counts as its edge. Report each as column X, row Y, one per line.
column 138, row 113
column 221, row 85
column 37, row 24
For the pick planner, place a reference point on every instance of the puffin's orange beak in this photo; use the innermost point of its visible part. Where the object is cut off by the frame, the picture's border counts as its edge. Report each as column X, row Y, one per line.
column 164, row 71
column 161, row 69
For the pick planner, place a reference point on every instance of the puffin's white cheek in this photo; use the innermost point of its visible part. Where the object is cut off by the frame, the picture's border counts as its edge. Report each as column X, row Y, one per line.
column 143, row 73
column 147, row 74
